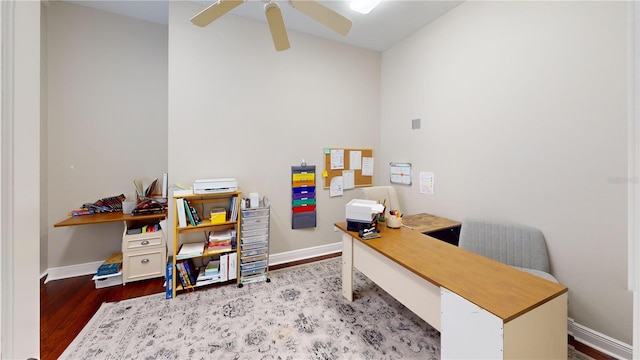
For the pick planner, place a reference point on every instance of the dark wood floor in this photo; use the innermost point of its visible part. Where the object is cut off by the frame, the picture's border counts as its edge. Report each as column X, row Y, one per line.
column 66, row 306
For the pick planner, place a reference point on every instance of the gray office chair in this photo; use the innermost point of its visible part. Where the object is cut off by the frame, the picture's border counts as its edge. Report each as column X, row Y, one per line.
column 380, row 193
column 520, row 246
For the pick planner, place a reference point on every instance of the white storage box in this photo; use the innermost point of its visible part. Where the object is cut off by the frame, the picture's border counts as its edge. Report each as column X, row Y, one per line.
column 108, row 280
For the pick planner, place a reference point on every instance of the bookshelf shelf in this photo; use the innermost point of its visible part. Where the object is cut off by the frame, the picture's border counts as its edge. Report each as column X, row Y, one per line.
column 206, row 224
column 188, row 210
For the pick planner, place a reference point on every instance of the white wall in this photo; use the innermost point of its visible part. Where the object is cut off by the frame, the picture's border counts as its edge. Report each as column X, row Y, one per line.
column 20, row 98
column 107, row 120
column 523, row 108
column 238, row 108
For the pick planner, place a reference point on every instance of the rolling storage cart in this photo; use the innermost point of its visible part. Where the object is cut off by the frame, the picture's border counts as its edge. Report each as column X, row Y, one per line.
column 254, row 243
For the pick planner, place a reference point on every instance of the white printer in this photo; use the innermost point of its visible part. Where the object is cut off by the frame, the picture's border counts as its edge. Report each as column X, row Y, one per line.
column 362, row 214
column 363, row 210
column 212, row 186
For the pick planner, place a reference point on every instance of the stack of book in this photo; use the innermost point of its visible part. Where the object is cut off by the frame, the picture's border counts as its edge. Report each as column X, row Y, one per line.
column 109, row 204
column 187, row 214
column 220, row 241
column 190, row 250
column 209, row 274
column 187, row 274
column 233, row 209
column 109, row 273
column 112, row 265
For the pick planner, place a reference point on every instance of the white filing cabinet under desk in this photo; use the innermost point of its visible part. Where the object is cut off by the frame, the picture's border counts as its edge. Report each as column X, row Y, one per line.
column 144, row 255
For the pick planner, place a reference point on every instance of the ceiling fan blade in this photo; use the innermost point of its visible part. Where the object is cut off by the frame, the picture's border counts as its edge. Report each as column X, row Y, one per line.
column 276, row 25
column 219, row 8
column 323, row 15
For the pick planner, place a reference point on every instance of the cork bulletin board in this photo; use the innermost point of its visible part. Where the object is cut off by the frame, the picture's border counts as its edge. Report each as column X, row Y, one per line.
column 349, row 154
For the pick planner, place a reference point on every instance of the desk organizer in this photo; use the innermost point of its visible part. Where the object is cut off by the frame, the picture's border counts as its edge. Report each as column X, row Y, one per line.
column 394, row 222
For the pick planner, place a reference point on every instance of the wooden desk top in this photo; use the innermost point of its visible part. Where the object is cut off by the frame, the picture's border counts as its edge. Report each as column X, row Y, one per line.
column 498, row 288
column 105, row 218
column 426, row 223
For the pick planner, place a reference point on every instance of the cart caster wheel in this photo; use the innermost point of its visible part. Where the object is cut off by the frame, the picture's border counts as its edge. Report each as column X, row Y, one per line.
column 240, row 286
column 268, row 280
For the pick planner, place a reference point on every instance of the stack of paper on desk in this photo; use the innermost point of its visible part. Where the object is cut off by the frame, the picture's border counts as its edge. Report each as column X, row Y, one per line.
column 363, row 210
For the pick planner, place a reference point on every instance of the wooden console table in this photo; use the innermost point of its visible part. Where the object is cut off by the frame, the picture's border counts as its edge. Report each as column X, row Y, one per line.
column 483, row 308
column 106, row 218
column 144, row 256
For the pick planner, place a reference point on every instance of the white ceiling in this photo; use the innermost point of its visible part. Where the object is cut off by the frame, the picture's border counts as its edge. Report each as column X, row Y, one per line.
column 387, row 24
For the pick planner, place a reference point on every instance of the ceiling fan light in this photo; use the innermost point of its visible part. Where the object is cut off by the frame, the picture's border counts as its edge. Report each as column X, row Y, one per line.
column 270, row 4
column 363, row 6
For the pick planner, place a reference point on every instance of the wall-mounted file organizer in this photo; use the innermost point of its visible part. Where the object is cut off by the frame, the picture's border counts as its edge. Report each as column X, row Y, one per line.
column 303, row 196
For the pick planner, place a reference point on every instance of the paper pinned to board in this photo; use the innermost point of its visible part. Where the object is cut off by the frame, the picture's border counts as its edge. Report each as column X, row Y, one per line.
column 348, row 179
column 355, row 160
column 337, row 159
column 367, row 166
column 336, row 186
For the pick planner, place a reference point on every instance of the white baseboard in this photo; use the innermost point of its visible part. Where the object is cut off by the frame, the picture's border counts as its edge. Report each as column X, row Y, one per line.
column 65, row 272
column 599, row 341
column 302, row 254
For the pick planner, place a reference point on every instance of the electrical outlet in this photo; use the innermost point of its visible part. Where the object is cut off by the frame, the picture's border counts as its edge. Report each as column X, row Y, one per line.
column 335, row 229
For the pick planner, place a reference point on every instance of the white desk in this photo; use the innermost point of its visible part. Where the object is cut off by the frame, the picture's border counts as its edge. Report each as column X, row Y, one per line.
column 482, row 308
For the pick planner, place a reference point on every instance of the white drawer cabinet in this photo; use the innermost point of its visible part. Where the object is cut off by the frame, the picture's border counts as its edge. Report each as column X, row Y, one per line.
column 144, row 255
column 254, row 243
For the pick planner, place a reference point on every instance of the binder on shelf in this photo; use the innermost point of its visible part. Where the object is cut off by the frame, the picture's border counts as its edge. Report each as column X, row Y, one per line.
column 182, row 215
column 168, row 280
column 191, row 271
column 233, row 264
column 188, row 214
column 224, row 267
column 180, row 274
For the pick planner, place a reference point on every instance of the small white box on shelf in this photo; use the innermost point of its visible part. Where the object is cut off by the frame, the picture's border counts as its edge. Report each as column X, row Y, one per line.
column 108, row 280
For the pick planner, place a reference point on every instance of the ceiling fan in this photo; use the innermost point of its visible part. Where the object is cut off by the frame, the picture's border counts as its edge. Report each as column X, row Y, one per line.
column 311, row 8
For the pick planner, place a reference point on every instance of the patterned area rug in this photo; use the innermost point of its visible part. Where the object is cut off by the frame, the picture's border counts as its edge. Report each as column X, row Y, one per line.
column 300, row 314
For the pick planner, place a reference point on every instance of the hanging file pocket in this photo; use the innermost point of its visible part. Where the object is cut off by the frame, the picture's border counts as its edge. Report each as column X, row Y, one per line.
column 304, row 202
column 304, row 196
column 303, row 183
column 304, row 219
column 304, row 177
column 305, row 190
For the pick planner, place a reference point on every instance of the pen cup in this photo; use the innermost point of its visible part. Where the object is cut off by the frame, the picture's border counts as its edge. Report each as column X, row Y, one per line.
column 394, row 222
